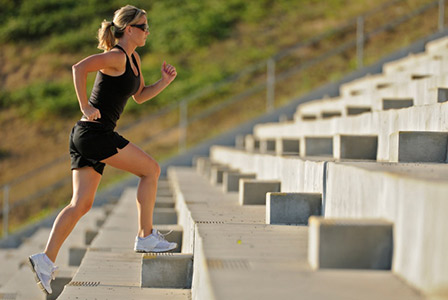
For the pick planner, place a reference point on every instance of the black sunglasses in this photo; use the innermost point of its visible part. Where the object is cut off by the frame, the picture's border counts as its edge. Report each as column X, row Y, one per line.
column 143, row 27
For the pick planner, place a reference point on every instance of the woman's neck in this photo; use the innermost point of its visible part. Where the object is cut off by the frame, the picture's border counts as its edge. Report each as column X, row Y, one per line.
column 127, row 46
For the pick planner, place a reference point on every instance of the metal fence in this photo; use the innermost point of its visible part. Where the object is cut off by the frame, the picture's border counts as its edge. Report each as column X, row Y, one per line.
column 267, row 68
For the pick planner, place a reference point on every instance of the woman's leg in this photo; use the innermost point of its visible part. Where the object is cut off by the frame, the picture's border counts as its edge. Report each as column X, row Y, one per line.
column 132, row 159
column 85, row 184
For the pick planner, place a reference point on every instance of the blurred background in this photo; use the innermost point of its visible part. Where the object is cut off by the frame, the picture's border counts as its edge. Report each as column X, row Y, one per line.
column 236, row 60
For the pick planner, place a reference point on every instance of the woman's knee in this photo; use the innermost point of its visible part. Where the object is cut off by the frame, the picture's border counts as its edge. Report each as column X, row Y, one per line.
column 82, row 204
column 151, row 169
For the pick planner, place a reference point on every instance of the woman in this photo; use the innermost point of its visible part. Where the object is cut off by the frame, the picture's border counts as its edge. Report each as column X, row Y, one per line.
column 94, row 143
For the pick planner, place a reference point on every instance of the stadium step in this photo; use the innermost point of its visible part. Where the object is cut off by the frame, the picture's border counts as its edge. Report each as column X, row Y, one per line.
column 234, row 247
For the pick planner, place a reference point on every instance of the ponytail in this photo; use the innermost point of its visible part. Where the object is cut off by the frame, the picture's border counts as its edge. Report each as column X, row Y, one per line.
column 106, row 38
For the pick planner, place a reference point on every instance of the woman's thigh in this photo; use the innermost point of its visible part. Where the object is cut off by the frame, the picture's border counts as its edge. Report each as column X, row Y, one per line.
column 133, row 159
column 85, row 185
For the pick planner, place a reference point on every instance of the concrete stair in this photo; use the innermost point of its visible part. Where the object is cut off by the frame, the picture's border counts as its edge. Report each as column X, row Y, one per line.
column 234, row 247
column 110, row 269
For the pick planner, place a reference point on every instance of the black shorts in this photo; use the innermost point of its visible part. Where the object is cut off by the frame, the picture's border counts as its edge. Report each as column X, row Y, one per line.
column 92, row 142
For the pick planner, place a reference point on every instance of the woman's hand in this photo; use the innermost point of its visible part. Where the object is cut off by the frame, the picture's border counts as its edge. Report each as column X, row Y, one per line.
column 90, row 112
column 168, row 73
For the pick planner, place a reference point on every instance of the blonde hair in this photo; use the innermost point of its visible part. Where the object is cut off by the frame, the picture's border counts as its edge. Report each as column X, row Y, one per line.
column 110, row 32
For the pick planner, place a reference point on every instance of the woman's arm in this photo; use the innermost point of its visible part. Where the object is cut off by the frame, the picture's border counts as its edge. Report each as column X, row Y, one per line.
column 111, row 63
column 148, row 92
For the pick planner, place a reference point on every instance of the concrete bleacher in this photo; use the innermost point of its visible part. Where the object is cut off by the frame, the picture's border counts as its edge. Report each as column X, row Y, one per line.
column 386, row 162
column 346, row 201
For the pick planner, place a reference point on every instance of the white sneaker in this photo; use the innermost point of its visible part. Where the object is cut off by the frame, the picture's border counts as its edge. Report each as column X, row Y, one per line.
column 155, row 242
column 44, row 271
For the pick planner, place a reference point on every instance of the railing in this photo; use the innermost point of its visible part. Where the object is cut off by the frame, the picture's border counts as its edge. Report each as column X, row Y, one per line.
column 272, row 77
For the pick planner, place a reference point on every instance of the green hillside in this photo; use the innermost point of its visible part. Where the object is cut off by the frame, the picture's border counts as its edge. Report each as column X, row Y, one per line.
column 181, row 31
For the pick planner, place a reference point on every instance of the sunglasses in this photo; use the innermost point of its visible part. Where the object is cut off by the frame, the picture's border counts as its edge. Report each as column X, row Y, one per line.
column 143, row 27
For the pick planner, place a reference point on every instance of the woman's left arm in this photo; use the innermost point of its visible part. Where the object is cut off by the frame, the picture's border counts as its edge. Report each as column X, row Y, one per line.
column 148, row 92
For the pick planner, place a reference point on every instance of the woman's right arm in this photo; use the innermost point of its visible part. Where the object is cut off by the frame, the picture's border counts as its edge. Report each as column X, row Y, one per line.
column 108, row 62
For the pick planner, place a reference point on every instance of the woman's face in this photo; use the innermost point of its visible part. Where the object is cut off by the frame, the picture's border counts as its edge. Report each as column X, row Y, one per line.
column 140, row 31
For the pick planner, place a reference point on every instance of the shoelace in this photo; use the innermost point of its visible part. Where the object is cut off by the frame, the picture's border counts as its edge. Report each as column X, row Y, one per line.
column 162, row 236
column 54, row 272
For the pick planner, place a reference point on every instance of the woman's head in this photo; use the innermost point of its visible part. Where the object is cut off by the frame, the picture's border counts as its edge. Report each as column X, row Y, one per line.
column 111, row 31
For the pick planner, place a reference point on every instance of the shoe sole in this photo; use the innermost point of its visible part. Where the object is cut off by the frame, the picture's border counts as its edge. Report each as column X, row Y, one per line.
column 155, row 251
column 38, row 281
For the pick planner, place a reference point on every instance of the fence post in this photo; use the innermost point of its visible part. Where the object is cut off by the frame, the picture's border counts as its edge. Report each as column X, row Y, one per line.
column 5, row 210
column 360, row 42
column 441, row 15
column 183, row 123
column 270, row 85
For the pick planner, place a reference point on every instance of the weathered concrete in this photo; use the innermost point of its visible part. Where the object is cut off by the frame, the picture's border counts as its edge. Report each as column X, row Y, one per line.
column 267, row 146
column 164, row 216
column 251, row 143
column 253, row 191
column 167, row 270
column 292, row 208
column 355, row 147
column 287, row 146
column 201, row 164
column 216, row 174
column 397, row 103
column 350, row 243
column 260, row 261
column 442, row 95
column 316, row 146
column 414, row 146
column 231, row 180
column 353, row 110
column 413, row 197
column 75, row 256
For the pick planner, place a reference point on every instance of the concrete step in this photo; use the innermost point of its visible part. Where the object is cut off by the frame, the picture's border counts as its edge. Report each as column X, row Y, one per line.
column 167, row 270
column 292, row 208
column 316, row 136
column 419, row 146
column 350, row 243
column 261, row 261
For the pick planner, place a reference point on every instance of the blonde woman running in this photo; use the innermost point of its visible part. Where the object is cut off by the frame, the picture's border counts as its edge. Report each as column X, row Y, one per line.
column 94, row 143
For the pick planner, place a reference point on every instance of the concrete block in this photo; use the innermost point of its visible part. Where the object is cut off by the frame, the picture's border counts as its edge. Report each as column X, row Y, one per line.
column 75, row 255
column 100, row 222
column 165, row 216
column 353, row 110
column 252, row 143
column 267, row 146
column 240, row 142
column 350, row 243
column 330, row 114
column 253, row 191
column 216, row 174
column 164, row 193
column 309, row 117
column 355, row 146
column 397, row 103
column 202, row 163
column 316, row 146
column 164, row 202
column 89, row 236
column 167, row 270
column 287, row 146
column 418, row 146
column 292, row 208
column 442, row 95
column 231, row 180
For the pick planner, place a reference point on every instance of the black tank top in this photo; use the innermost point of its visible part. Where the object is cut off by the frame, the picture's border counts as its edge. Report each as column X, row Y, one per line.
column 110, row 93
